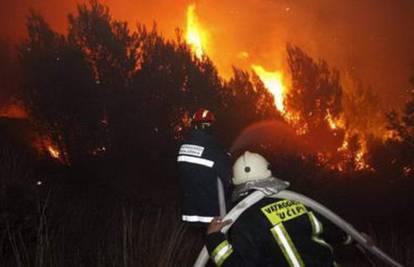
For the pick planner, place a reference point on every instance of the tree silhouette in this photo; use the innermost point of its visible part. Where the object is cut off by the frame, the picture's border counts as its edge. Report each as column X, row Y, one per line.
column 245, row 101
column 393, row 157
column 59, row 90
column 111, row 51
column 401, row 127
column 127, row 95
column 173, row 83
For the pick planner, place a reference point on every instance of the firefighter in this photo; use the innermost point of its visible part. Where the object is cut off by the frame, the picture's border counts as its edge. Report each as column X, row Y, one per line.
column 272, row 232
column 205, row 171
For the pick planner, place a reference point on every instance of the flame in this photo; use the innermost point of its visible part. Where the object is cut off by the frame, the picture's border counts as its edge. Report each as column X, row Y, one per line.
column 344, row 146
column 53, row 151
column 273, row 81
column 44, row 145
column 334, row 124
column 195, row 36
column 360, row 158
column 360, row 163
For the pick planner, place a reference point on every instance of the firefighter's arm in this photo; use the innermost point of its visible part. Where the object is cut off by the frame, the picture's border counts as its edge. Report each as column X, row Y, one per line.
column 332, row 234
column 221, row 251
column 222, row 165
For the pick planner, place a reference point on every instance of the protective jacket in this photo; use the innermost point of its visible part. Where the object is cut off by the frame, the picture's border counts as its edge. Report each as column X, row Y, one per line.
column 276, row 232
column 201, row 162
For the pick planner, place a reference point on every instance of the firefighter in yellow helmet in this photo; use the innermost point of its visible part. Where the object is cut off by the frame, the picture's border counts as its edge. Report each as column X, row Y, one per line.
column 272, row 232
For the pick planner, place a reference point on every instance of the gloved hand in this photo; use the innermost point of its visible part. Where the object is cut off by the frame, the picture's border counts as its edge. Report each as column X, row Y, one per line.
column 216, row 225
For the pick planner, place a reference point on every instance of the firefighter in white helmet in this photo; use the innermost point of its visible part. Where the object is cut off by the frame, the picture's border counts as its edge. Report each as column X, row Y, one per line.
column 272, row 232
column 205, row 172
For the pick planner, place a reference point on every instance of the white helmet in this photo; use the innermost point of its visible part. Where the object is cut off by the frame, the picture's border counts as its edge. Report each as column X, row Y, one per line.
column 250, row 167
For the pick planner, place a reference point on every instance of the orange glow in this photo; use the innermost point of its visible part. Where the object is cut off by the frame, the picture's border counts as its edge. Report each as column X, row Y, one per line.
column 13, row 111
column 243, row 55
column 259, row 39
column 54, row 152
column 273, row 81
column 44, row 145
column 195, row 36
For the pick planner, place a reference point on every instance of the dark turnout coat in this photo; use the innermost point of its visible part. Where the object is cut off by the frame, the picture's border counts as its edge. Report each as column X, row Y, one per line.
column 276, row 232
column 201, row 161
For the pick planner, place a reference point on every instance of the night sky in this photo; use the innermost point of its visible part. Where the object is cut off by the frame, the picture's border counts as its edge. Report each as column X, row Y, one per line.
column 367, row 39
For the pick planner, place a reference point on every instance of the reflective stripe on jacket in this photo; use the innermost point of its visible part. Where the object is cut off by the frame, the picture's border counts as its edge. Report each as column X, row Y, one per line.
column 201, row 161
column 276, row 232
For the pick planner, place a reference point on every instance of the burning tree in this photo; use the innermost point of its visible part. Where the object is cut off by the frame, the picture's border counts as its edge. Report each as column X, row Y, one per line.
column 106, row 90
column 245, row 101
column 315, row 98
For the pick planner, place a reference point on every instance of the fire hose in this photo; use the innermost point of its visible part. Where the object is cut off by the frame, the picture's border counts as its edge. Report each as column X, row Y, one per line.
column 328, row 214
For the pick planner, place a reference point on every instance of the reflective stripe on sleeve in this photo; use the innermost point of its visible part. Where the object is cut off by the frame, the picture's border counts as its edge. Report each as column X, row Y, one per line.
column 288, row 248
column 195, row 218
column 221, row 252
column 199, row 161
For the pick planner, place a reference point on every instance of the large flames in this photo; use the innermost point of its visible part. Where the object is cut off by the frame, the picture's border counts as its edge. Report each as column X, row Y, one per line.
column 196, row 37
column 275, row 83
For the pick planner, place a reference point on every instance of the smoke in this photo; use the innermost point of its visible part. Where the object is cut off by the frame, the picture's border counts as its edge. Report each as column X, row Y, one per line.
column 370, row 39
